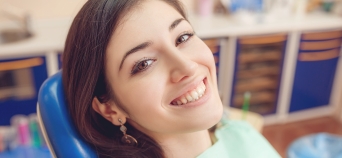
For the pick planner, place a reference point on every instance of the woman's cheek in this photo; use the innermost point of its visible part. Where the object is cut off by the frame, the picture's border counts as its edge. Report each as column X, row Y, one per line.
column 144, row 91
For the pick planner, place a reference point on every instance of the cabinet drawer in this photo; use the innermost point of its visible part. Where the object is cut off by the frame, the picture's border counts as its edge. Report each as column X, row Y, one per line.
column 320, row 45
column 262, row 71
column 259, row 57
column 258, row 67
column 212, row 44
column 322, row 35
column 318, row 56
column 20, row 64
column 256, row 84
column 263, row 39
column 260, row 97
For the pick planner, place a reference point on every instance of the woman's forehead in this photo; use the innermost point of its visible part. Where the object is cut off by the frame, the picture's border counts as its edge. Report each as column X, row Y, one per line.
column 147, row 15
column 142, row 24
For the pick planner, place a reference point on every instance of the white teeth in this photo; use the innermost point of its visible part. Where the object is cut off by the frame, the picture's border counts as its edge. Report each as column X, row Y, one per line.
column 203, row 87
column 188, row 97
column 183, row 100
column 192, row 95
column 199, row 90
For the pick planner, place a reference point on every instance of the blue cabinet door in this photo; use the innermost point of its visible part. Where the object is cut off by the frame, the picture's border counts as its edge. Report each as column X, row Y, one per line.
column 315, row 70
column 11, row 106
column 313, row 84
column 59, row 60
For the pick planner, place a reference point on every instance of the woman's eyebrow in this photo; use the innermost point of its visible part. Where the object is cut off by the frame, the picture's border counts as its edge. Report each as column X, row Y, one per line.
column 148, row 43
column 175, row 23
column 135, row 49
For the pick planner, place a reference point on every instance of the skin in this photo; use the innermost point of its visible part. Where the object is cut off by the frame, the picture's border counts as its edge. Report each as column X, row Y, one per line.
column 173, row 63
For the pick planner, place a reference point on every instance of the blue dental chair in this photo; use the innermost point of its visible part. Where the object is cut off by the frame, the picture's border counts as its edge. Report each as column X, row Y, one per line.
column 60, row 135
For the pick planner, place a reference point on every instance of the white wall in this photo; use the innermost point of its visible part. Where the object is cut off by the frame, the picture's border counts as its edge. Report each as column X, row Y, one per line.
column 47, row 9
column 189, row 4
column 44, row 9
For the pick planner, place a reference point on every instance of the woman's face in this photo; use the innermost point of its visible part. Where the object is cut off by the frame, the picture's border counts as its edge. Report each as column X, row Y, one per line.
column 162, row 73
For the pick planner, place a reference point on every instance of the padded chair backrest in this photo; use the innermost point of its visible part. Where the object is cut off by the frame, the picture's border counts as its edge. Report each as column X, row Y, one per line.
column 59, row 132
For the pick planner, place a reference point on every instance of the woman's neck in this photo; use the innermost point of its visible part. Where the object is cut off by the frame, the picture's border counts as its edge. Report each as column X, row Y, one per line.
column 187, row 145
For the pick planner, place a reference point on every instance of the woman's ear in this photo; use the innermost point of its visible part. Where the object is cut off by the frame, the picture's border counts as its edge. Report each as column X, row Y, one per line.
column 110, row 112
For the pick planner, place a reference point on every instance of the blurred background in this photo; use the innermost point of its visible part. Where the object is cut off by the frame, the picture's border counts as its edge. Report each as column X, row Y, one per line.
column 285, row 54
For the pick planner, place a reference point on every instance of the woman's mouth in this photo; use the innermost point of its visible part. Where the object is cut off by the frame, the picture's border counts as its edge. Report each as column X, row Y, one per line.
column 190, row 96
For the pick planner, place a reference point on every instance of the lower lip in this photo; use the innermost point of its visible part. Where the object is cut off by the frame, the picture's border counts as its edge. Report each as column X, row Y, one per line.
column 200, row 101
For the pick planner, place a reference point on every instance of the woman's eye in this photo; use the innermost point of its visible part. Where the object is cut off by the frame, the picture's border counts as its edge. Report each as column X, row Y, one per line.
column 142, row 65
column 183, row 38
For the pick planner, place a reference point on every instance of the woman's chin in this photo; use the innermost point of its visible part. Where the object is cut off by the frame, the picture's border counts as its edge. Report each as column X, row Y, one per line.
column 216, row 116
column 211, row 117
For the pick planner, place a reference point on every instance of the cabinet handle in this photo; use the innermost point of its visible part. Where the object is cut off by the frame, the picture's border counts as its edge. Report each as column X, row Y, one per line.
column 214, row 50
column 211, row 42
column 20, row 64
column 259, row 57
column 320, row 45
column 262, row 39
column 319, row 56
column 322, row 35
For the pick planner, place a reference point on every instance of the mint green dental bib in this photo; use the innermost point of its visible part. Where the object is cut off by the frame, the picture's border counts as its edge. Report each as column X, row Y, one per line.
column 237, row 139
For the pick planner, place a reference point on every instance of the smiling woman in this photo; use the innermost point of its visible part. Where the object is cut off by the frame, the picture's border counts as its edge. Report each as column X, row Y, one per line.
column 140, row 83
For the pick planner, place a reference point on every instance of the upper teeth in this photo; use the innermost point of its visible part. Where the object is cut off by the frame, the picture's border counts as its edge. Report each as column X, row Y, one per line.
column 191, row 96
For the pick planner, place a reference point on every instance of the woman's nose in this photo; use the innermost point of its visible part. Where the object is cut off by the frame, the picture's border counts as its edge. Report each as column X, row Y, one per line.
column 182, row 67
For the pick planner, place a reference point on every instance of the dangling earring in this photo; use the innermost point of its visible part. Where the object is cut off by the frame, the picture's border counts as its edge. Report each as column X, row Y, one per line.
column 127, row 139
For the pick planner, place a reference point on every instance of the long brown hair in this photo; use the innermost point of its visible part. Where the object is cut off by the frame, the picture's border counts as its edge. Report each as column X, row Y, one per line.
column 84, row 78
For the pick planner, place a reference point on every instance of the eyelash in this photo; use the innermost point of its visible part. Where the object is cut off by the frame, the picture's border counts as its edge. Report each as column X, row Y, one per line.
column 190, row 34
column 135, row 68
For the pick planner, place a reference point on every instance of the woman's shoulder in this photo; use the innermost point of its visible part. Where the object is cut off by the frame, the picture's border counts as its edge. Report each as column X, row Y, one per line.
column 238, row 139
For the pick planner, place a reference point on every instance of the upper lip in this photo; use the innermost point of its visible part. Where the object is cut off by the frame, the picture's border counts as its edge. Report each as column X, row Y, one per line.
column 188, row 86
